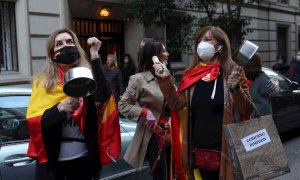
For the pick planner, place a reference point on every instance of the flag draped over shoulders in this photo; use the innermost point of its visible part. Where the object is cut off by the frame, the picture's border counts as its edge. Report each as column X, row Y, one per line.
column 179, row 118
column 40, row 101
column 109, row 139
column 210, row 72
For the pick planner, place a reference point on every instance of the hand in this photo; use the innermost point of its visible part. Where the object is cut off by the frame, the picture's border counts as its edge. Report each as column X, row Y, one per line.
column 234, row 79
column 151, row 121
column 160, row 69
column 168, row 124
column 69, row 105
column 95, row 47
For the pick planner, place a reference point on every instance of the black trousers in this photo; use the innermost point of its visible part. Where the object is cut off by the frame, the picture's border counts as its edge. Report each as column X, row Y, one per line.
column 77, row 169
column 162, row 168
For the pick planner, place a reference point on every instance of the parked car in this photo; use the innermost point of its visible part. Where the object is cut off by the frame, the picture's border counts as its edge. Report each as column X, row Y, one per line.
column 14, row 141
column 285, row 105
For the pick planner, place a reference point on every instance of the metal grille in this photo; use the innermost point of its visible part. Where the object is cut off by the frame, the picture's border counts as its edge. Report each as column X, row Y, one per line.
column 111, row 34
column 8, row 45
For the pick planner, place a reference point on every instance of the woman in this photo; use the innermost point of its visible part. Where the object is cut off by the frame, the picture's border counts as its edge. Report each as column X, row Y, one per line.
column 65, row 133
column 213, row 92
column 294, row 69
column 128, row 69
column 261, row 87
column 144, row 90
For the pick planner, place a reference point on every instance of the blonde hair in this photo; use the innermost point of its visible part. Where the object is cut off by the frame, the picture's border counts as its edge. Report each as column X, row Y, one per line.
column 224, row 54
column 48, row 75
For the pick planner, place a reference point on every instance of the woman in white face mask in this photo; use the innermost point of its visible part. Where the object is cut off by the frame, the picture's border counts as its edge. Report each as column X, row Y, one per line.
column 207, row 49
column 211, row 93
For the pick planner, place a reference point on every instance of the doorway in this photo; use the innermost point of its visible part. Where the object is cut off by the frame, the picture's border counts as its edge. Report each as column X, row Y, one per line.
column 110, row 33
column 282, row 44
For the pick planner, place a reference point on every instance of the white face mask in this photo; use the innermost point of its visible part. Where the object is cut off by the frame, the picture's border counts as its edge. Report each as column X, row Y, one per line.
column 298, row 58
column 206, row 50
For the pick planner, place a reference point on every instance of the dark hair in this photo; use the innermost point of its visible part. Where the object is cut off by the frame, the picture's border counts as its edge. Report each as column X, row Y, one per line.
column 253, row 68
column 151, row 48
column 128, row 55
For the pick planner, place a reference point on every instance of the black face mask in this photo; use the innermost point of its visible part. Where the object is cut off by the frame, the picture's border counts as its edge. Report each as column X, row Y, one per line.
column 66, row 55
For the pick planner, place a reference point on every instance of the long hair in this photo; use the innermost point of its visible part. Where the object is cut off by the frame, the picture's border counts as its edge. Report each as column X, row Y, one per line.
column 48, row 75
column 224, row 54
column 253, row 68
column 151, row 48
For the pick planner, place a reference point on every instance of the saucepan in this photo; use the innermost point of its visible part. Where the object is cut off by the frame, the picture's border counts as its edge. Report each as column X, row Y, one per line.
column 79, row 82
column 244, row 53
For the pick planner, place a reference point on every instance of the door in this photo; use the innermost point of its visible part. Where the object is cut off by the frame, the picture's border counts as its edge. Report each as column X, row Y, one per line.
column 110, row 33
column 285, row 105
column 14, row 137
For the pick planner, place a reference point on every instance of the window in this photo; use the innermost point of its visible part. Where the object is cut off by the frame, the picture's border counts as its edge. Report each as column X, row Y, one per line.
column 8, row 45
column 13, row 124
column 172, row 32
column 283, row 1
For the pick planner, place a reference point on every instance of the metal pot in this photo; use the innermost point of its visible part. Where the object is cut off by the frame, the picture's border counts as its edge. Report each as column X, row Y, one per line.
column 79, row 82
column 244, row 53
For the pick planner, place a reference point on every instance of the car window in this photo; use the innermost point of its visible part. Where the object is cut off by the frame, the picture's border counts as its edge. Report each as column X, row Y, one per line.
column 284, row 84
column 13, row 126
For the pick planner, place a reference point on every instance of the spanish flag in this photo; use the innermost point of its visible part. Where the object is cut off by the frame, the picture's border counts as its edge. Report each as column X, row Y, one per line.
column 39, row 101
column 179, row 121
column 109, row 139
column 114, row 52
column 109, row 131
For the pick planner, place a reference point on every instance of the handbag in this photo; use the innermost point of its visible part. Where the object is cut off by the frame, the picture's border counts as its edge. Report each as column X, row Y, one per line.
column 255, row 149
column 163, row 139
column 207, row 159
column 163, row 135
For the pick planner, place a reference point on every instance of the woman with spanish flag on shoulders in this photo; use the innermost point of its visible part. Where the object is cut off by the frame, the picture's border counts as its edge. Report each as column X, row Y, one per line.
column 71, row 137
column 212, row 92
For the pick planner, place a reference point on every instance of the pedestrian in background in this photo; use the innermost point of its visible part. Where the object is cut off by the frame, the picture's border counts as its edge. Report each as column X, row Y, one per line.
column 144, row 103
column 261, row 87
column 114, row 76
column 128, row 69
column 65, row 134
column 213, row 92
column 294, row 71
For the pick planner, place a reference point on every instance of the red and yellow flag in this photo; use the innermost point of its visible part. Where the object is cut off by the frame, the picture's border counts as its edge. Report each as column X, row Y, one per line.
column 109, row 131
column 109, row 139
column 40, row 100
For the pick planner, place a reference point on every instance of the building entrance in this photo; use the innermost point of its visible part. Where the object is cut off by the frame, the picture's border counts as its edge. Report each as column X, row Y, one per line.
column 110, row 33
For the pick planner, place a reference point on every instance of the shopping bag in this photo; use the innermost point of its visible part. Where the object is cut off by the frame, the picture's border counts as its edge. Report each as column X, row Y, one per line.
column 255, row 149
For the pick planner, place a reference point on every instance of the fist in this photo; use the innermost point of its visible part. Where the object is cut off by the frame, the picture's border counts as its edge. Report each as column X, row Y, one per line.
column 90, row 41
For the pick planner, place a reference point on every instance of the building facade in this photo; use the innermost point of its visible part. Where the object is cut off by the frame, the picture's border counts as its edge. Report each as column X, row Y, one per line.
column 26, row 25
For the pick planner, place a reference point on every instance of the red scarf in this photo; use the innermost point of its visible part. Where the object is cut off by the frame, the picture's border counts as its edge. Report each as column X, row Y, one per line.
column 193, row 75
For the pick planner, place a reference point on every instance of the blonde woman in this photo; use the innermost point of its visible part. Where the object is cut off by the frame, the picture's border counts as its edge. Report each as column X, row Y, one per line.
column 65, row 137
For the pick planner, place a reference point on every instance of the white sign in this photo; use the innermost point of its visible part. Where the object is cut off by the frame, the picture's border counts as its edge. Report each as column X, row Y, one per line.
column 256, row 140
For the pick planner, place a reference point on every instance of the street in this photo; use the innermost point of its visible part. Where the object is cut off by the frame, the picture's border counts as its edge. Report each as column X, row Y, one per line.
column 291, row 144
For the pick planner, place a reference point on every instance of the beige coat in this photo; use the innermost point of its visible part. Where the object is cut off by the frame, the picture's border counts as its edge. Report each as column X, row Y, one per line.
column 142, row 91
column 235, row 105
